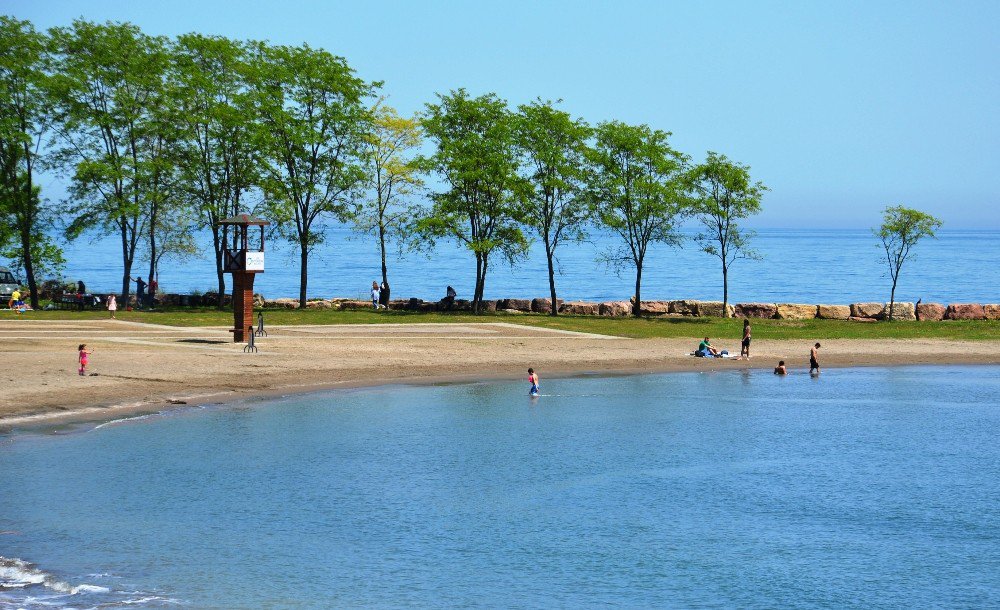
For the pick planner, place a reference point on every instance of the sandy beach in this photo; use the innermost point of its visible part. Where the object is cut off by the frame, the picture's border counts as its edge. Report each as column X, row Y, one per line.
column 145, row 367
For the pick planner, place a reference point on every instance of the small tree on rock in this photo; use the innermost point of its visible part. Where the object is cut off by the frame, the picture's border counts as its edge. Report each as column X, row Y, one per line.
column 901, row 229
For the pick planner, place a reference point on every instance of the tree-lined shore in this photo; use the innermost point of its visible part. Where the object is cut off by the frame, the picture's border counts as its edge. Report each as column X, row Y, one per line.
column 161, row 138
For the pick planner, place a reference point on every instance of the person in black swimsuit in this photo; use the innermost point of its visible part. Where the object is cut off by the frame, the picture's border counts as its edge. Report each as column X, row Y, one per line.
column 745, row 348
column 813, row 360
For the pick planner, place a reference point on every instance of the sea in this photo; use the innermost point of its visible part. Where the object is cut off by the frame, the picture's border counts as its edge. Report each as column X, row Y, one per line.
column 862, row 487
column 836, row 266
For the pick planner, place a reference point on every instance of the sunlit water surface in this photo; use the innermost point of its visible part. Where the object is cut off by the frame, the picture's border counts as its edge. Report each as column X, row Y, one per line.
column 873, row 487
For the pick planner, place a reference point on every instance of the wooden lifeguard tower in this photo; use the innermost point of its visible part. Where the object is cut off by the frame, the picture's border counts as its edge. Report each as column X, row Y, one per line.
column 243, row 258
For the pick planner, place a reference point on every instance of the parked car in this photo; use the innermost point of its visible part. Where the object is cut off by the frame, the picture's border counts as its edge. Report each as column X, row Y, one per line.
column 8, row 284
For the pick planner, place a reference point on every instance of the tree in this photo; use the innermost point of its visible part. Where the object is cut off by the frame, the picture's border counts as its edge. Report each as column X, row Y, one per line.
column 311, row 106
column 554, row 148
column 107, row 88
column 639, row 191
column 24, row 122
column 901, row 229
column 726, row 195
column 392, row 177
column 476, row 157
column 215, row 154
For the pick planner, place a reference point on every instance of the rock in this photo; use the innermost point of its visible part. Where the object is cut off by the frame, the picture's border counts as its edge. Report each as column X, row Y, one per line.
column 580, row 308
column 282, row 304
column 684, row 307
column 522, row 305
column 857, row 319
column 900, row 312
column 992, row 311
column 615, row 308
column 713, row 309
column 512, row 311
column 488, row 306
column 867, row 310
column 930, row 312
column 833, row 312
column 654, row 308
column 258, row 301
column 755, row 310
column 965, row 311
column 462, row 305
column 354, row 305
column 319, row 304
column 794, row 311
column 542, row 305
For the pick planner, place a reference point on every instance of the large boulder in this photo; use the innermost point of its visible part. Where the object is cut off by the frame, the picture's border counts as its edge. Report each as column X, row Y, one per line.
column 755, row 310
column 965, row 311
column 319, row 304
column 542, row 305
column 580, row 308
column 713, row 309
column 258, row 301
column 462, row 305
column 684, row 307
column 867, row 310
column 354, row 305
column 282, row 304
column 615, row 308
column 654, row 308
column 992, row 311
column 795, row 311
column 900, row 312
column 522, row 305
column 488, row 306
column 833, row 312
column 930, row 312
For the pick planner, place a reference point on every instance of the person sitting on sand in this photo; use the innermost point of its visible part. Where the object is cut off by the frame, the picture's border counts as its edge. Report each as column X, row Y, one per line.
column 814, row 359
column 780, row 369
column 705, row 350
column 533, row 380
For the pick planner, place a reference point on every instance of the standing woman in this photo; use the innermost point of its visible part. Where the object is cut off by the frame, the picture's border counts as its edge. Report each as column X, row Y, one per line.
column 112, row 306
column 383, row 294
column 745, row 349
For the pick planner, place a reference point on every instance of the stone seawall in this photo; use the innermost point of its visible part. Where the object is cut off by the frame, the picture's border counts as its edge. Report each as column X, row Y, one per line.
column 859, row 312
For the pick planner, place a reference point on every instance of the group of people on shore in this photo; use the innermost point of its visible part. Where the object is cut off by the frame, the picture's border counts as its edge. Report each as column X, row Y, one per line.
column 380, row 295
column 706, row 350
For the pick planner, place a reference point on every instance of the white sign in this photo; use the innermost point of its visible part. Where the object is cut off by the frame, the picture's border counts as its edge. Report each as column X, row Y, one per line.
column 255, row 261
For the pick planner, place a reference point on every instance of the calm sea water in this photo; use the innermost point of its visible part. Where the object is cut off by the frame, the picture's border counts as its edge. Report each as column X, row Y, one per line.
column 813, row 266
column 862, row 488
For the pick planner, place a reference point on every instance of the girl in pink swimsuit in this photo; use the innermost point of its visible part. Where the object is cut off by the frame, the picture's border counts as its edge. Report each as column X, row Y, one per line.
column 83, row 358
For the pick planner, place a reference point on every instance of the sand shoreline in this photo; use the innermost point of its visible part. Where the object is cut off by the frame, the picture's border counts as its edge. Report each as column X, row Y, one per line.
column 144, row 369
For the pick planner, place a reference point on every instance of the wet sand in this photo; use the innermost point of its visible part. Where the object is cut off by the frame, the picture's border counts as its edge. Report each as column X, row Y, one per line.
column 147, row 368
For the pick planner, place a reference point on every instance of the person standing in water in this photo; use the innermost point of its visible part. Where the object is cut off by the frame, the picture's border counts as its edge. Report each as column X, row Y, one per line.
column 745, row 348
column 533, row 380
column 780, row 369
column 814, row 360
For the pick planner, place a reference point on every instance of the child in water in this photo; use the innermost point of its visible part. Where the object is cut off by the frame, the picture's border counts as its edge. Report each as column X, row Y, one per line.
column 533, row 380
column 780, row 369
column 83, row 358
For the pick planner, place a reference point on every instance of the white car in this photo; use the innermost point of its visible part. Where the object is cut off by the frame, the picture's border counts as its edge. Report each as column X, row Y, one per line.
column 8, row 284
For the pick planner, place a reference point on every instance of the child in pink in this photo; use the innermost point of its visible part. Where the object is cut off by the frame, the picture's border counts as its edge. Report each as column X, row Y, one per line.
column 83, row 358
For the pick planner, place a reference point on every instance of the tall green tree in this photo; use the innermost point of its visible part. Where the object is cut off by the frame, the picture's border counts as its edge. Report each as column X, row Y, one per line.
column 725, row 195
column 392, row 178
column 313, row 113
column 107, row 87
column 24, row 123
column 554, row 148
column 476, row 157
column 218, row 127
column 900, row 231
column 640, row 191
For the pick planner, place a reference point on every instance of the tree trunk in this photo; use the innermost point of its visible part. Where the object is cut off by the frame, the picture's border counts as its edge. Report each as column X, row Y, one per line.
column 892, row 299
column 638, row 283
column 216, row 243
column 152, row 260
column 381, row 245
column 127, row 267
column 29, row 265
column 552, row 280
column 303, row 272
column 725, row 291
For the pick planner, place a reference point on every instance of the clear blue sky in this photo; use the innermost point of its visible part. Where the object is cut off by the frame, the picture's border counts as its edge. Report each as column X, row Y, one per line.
column 841, row 108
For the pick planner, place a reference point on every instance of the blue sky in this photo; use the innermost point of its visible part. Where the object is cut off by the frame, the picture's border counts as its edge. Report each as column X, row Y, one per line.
column 841, row 108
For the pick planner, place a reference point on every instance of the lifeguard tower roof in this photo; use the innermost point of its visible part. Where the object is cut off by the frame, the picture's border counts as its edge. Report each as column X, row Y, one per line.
column 244, row 220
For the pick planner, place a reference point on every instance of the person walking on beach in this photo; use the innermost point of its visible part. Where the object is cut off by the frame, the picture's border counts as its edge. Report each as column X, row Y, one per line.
column 375, row 295
column 383, row 294
column 112, row 306
column 533, row 380
column 745, row 347
column 814, row 360
column 83, row 358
